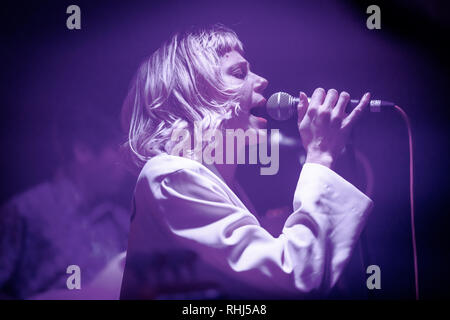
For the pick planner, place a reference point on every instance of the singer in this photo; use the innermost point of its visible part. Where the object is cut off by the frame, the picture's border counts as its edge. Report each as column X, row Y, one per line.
column 193, row 229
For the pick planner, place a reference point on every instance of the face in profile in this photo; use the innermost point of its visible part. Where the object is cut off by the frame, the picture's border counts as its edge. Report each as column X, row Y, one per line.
column 236, row 71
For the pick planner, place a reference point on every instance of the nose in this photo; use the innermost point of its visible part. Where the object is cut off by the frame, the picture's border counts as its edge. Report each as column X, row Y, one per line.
column 260, row 84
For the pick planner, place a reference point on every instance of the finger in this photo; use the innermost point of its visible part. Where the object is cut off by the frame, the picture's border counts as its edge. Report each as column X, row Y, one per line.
column 302, row 106
column 330, row 100
column 316, row 100
column 351, row 119
column 343, row 100
column 317, row 97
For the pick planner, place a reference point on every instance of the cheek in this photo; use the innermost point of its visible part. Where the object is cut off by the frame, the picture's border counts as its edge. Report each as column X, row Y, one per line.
column 246, row 94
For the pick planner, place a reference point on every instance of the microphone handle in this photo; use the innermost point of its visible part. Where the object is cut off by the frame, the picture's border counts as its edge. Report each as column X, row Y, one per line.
column 374, row 105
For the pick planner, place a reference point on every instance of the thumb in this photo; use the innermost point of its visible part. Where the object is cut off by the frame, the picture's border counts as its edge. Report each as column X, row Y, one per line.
column 302, row 106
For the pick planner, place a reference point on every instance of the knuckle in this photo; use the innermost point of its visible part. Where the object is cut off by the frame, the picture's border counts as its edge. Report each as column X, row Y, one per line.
column 336, row 120
column 336, row 115
column 325, row 114
column 311, row 112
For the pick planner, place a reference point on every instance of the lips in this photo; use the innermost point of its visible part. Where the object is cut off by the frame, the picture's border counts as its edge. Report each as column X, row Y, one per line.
column 259, row 109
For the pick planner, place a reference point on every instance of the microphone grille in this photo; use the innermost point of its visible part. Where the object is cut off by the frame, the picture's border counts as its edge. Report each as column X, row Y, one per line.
column 279, row 106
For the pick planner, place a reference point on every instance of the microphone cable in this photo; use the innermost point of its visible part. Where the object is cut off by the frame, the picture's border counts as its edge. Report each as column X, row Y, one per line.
column 280, row 107
column 369, row 188
column 411, row 197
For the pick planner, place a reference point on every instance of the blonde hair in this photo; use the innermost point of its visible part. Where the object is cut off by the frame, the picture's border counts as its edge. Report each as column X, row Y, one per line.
column 178, row 85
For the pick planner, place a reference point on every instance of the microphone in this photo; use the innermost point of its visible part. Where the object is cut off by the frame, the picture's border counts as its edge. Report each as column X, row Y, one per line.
column 281, row 106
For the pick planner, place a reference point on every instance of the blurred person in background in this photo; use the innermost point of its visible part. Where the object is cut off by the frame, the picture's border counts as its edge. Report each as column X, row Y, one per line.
column 79, row 216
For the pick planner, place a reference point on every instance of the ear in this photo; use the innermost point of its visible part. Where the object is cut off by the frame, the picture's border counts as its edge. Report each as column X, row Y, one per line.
column 82, row 153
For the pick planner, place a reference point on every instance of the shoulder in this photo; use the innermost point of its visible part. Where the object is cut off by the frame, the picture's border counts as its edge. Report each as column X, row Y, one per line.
column 164, row 165
column 185, row 175
column 30, row 200
column 166, row 168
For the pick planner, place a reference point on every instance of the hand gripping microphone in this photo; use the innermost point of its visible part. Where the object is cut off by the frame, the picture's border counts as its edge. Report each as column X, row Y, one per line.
column 281, row 106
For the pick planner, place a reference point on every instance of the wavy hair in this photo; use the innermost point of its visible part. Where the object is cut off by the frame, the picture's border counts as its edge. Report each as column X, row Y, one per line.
column 178, row 85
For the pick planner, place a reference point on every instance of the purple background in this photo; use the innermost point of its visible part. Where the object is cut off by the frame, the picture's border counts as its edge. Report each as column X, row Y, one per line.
column 296, row 45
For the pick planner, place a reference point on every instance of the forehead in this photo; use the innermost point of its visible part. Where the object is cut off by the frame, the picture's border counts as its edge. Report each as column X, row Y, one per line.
column 230, row 58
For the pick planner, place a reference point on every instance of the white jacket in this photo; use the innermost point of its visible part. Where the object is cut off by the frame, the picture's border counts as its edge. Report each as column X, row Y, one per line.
column 181, row 204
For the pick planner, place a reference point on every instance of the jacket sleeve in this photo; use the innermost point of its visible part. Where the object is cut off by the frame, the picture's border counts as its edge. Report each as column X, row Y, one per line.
column 308, row 256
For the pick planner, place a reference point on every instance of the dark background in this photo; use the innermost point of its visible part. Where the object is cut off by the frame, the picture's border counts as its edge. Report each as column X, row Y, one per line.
column 296, row 45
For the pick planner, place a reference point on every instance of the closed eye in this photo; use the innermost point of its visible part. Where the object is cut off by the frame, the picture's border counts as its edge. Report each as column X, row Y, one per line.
column 239, row 73
column 239, row 70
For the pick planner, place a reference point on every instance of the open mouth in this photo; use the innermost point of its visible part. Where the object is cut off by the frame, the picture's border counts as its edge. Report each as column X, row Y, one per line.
column 258, row 114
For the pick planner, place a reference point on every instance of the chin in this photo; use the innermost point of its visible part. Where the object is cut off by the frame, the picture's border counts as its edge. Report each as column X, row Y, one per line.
column 257, row 122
